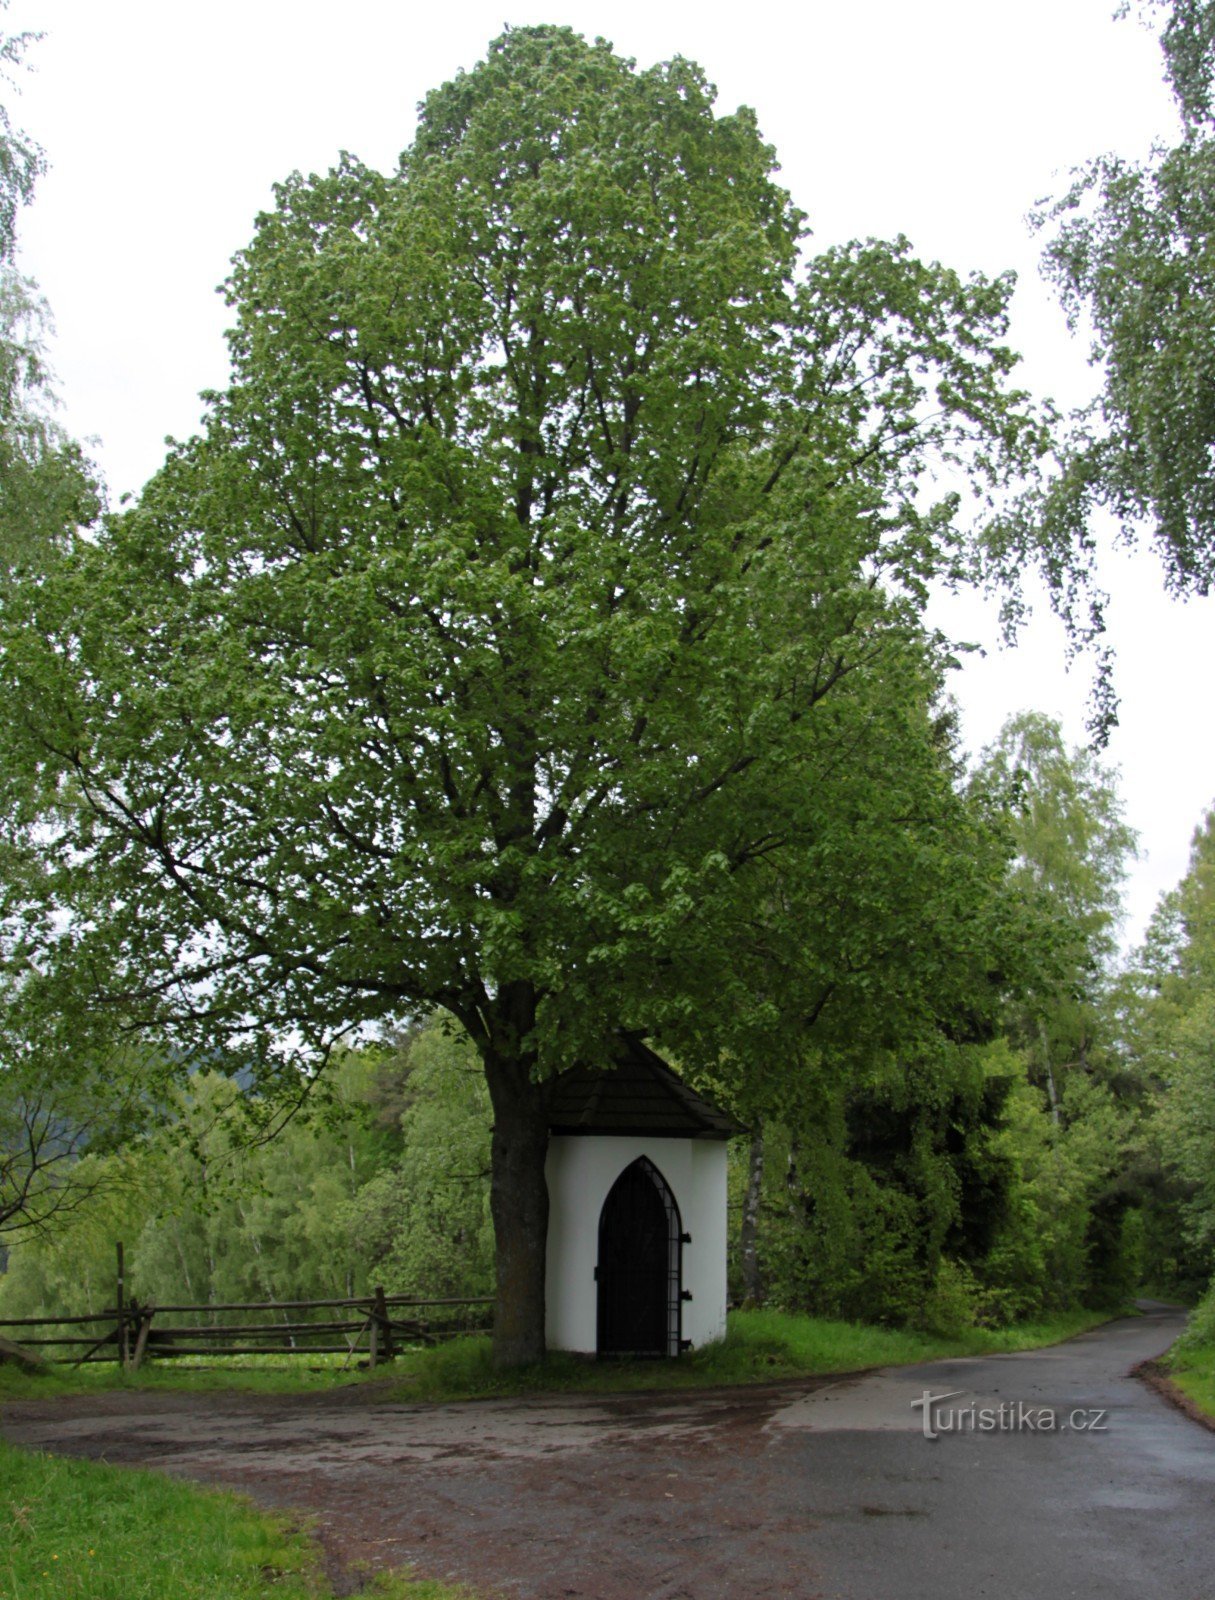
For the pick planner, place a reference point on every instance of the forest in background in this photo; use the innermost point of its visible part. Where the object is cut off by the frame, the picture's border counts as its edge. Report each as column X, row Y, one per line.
column 1062, row 1161
column 701, row 780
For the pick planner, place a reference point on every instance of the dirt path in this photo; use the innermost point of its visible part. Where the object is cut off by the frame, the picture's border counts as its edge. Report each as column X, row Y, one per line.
column 810, row 1489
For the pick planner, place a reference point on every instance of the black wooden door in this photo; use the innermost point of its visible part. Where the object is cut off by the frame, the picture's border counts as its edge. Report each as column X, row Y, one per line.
column 639, row 1265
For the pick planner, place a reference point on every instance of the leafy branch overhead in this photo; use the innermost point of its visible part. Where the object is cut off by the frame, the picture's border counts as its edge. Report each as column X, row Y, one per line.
column 47, row 488
column 1132, row 256
column 533, row 631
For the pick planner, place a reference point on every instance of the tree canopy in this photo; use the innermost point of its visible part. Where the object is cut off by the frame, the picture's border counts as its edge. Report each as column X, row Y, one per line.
column 1133, row 259
column 46, row 487
column 55, row 1097
column 1072, row 846
column 1173, row 1024
column 22, row 160
column 533, row 631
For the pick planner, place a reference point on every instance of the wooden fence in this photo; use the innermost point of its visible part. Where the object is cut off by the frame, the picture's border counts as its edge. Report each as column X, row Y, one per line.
column 372, row 1325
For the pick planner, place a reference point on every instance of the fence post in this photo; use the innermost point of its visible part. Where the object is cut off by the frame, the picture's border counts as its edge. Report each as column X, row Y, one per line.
column 381, row 1329
column 120, row 1307
column 145, row 1315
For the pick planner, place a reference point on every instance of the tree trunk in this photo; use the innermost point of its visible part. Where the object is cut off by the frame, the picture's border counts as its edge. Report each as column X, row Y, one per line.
column 1051, row 1091
column 519, row 1208
column 793, row 1186
column 752, row 1284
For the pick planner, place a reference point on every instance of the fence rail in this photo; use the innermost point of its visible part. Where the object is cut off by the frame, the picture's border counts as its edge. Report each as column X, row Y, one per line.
column 131, row 1331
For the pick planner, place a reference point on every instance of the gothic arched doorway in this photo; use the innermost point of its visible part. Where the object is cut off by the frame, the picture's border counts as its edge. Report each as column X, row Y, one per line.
column 640, row 1265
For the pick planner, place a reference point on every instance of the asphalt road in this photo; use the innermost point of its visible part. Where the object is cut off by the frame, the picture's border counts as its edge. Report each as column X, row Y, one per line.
column 827, row 1490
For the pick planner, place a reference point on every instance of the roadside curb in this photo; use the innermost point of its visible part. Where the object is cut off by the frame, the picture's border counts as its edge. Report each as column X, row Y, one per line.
column 1154, row 1376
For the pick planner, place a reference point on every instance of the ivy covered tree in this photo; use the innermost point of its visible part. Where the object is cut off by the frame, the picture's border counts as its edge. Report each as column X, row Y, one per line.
column 533, row 632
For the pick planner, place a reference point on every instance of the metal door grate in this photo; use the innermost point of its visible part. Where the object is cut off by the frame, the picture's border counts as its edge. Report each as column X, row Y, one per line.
column 640, row 1265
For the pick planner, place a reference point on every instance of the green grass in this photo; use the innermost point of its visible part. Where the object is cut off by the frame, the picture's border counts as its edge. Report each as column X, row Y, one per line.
column 1048, row 1330
column 760, row 1346
column 77, row 1529
column 255, row 1374
column 1191, row 1362
column 71, row 1528
column 1192, row 1369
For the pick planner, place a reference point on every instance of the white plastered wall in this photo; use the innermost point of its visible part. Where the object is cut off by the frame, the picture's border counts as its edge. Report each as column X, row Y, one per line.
column 581, row 1170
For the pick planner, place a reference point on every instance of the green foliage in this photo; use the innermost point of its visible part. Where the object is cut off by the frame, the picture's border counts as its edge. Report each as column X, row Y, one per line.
column 1200, row 1329
column 1133, row 260
column 71, row 1271
column 425, row 1219
column 1001, row 1166
column 1067, row 1240
column 976, row 1207
column 67, row 1107
column 551, row 680
column 1071, row 839
column 61, row 1087
column 879, row 1210
column 47, row 488
column 969, row 1207
column 386, row 1184
column 534, row 630
column 1191, row 1361
column 271, row 1222
column 1172, row 1028
column 1072, row 845
column 21, row 160
column 1077, row 1138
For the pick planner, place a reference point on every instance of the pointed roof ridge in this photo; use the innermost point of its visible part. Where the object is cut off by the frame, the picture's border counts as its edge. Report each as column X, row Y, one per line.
column 639, row 1095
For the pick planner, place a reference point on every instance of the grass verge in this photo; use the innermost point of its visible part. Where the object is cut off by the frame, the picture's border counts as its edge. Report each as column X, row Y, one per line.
column 72, row 1528
column 221, row 1374
column 1192, row 1369
column 760, row 1346
column 77, row 1529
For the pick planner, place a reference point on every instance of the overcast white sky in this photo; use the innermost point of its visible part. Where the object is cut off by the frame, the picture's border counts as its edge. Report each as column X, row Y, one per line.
column 945, row 120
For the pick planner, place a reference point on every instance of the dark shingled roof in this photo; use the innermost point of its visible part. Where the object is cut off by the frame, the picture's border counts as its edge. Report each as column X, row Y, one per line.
column 640, row 1095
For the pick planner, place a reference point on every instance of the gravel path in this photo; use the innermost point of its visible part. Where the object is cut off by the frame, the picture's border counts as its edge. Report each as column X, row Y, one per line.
column 813, row 1489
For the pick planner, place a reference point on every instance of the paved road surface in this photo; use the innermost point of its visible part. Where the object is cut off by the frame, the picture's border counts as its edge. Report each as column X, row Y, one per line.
column 810, row 1490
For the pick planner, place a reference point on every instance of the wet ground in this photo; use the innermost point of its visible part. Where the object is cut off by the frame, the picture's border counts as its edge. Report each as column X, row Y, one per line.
column 812, row 1489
